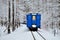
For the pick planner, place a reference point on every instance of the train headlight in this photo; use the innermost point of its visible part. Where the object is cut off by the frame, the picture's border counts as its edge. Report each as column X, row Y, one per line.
column 33, row 26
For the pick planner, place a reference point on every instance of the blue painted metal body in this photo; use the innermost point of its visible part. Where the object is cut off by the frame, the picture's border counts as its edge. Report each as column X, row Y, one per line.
column 31, row 22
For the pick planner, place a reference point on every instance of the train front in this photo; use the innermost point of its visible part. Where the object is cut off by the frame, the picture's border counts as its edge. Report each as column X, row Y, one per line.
column 33, row 21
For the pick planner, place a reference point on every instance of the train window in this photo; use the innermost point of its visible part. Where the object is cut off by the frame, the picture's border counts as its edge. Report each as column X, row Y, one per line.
column 34, row 18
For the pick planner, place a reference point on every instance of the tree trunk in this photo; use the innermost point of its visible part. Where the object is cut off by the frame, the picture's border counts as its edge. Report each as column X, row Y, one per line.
column 9, row 19
column 13, row 15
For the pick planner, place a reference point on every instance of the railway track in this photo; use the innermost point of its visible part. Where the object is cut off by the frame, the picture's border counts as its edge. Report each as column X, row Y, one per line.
column 41, row 35
column 33, row 35
column 38, row 34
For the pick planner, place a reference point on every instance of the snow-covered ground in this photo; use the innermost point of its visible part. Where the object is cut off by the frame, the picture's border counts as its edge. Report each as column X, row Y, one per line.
column 48, row 35
column 2, row 33
column 23, row 33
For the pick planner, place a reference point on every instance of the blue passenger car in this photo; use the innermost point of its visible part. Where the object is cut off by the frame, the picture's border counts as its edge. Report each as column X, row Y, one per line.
column 33, row 21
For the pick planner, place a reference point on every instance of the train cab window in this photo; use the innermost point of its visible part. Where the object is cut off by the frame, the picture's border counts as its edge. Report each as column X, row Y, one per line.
column 34, row 17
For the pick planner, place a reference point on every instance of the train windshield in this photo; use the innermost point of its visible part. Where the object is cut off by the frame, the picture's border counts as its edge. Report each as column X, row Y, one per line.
column 34, row 17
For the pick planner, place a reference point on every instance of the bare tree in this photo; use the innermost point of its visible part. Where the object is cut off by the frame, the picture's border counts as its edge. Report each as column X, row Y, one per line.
column 13, row 15
column 9, row 19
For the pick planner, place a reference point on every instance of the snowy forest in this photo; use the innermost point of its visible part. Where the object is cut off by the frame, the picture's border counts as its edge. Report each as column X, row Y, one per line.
column 13, row 19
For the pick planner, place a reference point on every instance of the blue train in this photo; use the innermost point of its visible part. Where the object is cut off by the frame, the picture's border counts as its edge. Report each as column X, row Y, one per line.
column 33, row 21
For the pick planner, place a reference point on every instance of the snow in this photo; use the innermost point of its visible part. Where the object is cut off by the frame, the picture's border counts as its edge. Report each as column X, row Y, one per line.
column 23, row 33
column 48, row 35
column 2, row 33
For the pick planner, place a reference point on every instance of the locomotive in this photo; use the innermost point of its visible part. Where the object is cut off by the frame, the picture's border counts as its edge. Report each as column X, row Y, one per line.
column 33, row 21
